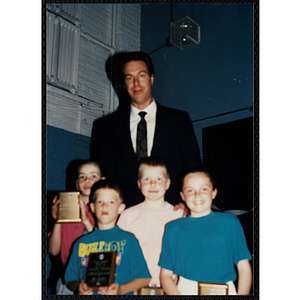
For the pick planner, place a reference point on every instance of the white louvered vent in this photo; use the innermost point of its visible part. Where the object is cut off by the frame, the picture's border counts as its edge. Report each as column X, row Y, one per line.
column 63, row 53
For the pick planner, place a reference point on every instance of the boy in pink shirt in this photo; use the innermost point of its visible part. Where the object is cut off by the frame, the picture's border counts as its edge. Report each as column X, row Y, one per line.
column 147, row 220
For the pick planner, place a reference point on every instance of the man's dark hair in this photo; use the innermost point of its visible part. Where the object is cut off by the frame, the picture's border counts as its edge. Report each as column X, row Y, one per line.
column 135, row 56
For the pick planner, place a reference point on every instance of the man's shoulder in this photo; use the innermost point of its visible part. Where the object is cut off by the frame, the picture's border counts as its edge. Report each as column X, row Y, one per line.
column 170, row 110
column 172, row 114
column 112, row 117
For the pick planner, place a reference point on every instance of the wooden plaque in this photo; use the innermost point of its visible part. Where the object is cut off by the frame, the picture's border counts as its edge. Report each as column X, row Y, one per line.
column 149, row 290
column 68, row 208
column 212, row 289
column 101, row 269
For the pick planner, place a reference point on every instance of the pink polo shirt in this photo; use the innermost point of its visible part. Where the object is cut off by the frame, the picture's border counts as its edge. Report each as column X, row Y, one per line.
column 148, row 226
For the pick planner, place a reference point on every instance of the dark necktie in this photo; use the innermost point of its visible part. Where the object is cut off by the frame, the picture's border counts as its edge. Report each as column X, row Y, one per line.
column 141, row 137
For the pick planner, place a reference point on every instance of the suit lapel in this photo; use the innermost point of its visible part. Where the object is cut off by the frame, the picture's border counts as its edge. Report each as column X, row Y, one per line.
column 160, row 129
column 123, row 136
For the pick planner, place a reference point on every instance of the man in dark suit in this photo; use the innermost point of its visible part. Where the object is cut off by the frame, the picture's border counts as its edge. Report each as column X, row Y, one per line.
column 170, row 133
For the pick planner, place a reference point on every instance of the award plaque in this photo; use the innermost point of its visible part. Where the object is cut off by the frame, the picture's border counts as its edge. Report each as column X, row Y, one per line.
column 68, row 207
column 151, row 290
column 101, row 269
column 212, row 289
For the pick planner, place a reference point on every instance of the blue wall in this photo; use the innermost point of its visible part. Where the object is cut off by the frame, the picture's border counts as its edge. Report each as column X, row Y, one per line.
column 62, row 148
column 212, row 78
column 209, row 79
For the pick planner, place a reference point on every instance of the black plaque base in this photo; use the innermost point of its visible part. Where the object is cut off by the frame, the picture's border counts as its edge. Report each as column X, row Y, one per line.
column 101, row 269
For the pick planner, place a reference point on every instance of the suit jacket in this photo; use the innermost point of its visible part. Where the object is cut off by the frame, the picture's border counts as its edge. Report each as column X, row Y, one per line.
column 174, row 140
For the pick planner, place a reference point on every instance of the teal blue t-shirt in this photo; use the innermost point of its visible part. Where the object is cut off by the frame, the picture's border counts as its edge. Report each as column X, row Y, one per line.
column 204, row 249
column 130, row 262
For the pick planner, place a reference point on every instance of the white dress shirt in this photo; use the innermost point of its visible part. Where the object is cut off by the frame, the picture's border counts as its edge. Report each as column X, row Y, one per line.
column 150, row 119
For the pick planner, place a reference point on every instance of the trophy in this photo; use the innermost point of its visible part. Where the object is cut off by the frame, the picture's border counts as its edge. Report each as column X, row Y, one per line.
column 68, row 207
column 212, row 289
column 151, row 290
column 101, row 269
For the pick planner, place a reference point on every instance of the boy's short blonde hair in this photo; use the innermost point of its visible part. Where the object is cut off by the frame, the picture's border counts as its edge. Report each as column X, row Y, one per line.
column 105, row 184
column 152, row 161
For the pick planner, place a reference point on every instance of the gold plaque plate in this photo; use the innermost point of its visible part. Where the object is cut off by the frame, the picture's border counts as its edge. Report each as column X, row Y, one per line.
column 68, row 208
column 212, row 289
column 149, row 290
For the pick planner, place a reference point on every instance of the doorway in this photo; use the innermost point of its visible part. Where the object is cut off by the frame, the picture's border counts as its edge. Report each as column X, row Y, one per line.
column 228, row 155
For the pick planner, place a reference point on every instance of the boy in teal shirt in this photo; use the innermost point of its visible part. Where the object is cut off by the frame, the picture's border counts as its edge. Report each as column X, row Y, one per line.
column 131, row 269
column 205, row 246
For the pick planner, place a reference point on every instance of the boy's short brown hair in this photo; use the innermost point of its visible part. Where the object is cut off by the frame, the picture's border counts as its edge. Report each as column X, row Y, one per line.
column 152, row 161
column 88, row 162
column 197, row 170
column 105, row 184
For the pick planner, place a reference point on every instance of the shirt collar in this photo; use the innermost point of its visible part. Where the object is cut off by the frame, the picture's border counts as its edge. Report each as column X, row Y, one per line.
column 150, row 110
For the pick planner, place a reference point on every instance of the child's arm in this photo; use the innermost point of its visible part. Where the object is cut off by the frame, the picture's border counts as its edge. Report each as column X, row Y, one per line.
column 113, row 289
column 55, row 236
column 183, row 207
column 167, row 281
column 133, row 285
column 245, row 277
column 84, row 215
